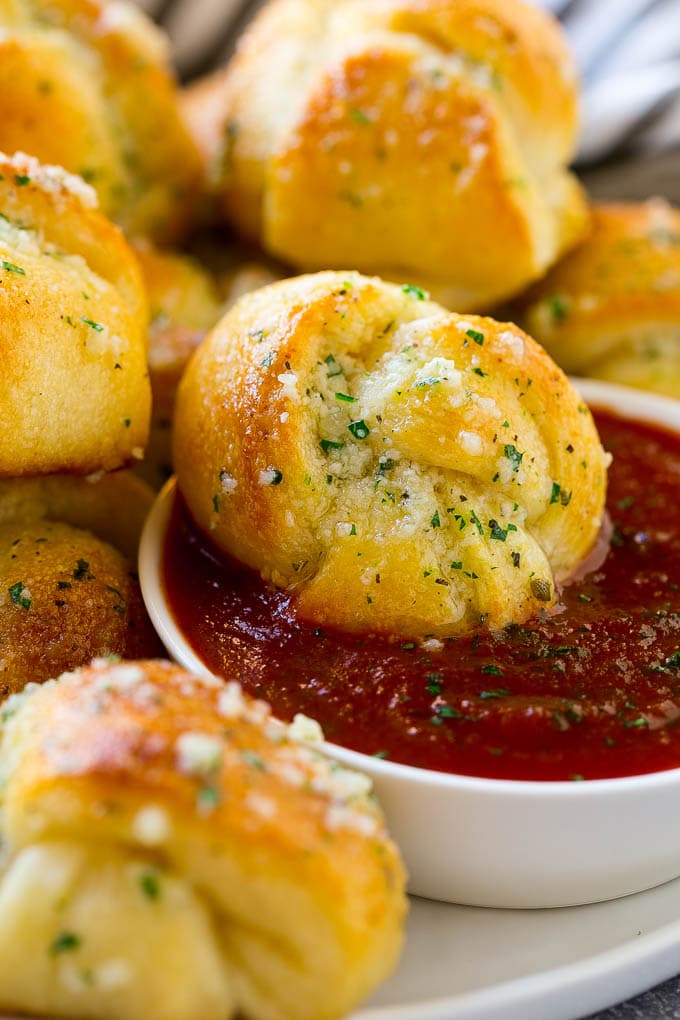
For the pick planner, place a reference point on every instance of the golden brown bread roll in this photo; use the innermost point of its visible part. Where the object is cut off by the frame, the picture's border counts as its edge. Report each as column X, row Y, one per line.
column 86, row 84
column 401, row 468
column 114, row 507
column 74, row 389
column 184, row 304
column 186, row 300
column 68, row 590
column 172, row 853
column 611, row 309
column 420, row 139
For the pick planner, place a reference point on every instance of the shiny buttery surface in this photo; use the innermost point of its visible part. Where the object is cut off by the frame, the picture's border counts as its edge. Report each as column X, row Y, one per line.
column 590, row 693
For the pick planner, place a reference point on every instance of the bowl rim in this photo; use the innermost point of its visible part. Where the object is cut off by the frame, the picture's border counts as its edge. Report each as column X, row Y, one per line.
column 626, row 402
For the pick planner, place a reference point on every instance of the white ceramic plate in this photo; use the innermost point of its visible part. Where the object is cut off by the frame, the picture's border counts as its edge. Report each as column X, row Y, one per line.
column 473, row 963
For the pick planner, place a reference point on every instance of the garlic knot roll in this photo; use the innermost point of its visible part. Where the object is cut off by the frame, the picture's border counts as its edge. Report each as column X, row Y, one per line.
column 172, row 852
column 611, row 308
column 68, row 586
column 401, row 468
column 87, row 84
column 74, row 388
column 423, row 140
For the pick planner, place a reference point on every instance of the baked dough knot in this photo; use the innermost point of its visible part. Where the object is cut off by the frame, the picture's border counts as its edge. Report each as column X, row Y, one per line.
column 68, row 590
column 87, row 85
column 401, row 468
column 74, row 388
column 418, row 139
column 172, row 851
column 611, row 308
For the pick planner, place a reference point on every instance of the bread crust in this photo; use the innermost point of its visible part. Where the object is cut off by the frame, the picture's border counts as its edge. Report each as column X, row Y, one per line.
column 74, row 391
column 87, row 85
column 420, row 139
column 299, row 888
column 401, row 468
column 186, row 299
column 68, row 587
column 611, row 308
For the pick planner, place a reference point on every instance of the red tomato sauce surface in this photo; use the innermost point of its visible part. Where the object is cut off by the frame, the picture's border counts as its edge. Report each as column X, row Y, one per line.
column 590, row 693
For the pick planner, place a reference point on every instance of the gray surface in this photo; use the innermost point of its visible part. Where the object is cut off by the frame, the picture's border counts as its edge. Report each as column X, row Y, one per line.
column 661, row 1003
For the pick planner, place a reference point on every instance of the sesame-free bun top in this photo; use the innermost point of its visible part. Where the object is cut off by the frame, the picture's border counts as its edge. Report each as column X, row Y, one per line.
column 425, row 140
column 74, row 391
column 68, row 587
column 611, row 308
column 86, row 84
column 172, row 852
column 403, row 469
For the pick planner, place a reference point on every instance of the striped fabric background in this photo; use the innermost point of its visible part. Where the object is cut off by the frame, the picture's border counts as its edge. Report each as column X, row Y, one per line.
column 628, row 51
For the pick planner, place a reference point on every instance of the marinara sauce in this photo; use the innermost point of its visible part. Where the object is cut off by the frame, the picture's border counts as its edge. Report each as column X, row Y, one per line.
column 592, row 692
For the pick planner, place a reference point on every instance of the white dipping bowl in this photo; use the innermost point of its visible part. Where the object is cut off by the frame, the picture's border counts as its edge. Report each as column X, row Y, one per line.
column 492, row 842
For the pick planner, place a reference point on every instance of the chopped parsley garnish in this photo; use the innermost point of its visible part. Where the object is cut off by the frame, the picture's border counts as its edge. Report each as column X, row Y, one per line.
column 21, row 180
column 416, row 292
column 558, row 495
column 330, row 444
column 670, row 662
column 480, row 373
column 150, row 885
column 442, row 712
column 358, row 116
column 208, row 798
column 475, row 335
column 11, row 268
column 495, row 692
column 268, row 360
column 96, row 326
column 435, row 522
column 513, row 455
column 559, row 308
column 492, row 670
column 65, row 942
column 474, row 519
column 359, row 429
column 496, row 532
column 346, row 397
column 333, row 367
column 19, row 595
column 434, row 686
column 254, row 760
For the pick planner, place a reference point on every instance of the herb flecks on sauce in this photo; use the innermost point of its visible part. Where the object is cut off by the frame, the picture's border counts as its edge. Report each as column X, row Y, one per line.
column 591, row 692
